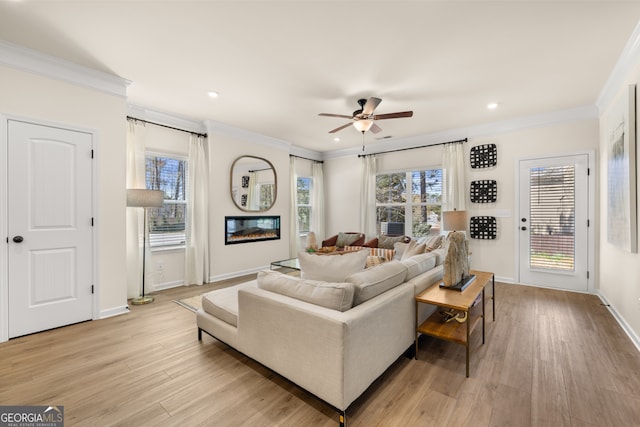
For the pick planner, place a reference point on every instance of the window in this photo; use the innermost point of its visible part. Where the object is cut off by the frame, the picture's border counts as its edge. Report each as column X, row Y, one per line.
column 305, row 184
column 409, row 202
column 167, row 224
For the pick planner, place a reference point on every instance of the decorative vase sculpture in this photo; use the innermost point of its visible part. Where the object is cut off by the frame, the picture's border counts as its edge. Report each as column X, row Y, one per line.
column 456, row 262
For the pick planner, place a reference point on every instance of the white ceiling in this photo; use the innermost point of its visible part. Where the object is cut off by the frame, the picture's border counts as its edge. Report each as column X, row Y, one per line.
column 277, row 65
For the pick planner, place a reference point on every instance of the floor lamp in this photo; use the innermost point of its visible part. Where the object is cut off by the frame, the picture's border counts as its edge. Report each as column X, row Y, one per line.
column 140, row 198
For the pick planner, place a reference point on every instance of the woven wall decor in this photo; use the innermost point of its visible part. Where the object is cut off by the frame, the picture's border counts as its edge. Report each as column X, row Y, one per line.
column 484, row 191
column 483, row 156
column 483, row 227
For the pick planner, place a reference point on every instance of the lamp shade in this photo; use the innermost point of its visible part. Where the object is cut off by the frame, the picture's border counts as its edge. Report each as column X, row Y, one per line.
column 454, row 220
column 363, row 125
column 141, row 198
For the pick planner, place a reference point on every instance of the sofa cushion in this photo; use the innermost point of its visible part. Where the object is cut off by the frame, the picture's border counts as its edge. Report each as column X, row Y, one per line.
column 387, row 242
column 376, row 280
column 336, row 296
column 223, row 303
column 418, row 264
column 331, row 268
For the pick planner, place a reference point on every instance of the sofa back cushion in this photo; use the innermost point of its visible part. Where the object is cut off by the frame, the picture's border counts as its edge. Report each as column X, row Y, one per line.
column 373, row 281
column 418, row 264
column 336, row 296
column 331, row 268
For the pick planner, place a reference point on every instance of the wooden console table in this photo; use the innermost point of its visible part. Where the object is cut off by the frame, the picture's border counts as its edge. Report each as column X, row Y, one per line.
column 461, row 301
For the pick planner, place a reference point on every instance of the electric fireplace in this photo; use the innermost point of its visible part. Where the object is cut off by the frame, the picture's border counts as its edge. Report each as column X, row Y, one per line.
column 246, row 229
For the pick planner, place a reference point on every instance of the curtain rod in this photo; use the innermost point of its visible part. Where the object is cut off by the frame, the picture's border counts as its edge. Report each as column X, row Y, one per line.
column 413, row 148
column 306, row 158
column 204, row 135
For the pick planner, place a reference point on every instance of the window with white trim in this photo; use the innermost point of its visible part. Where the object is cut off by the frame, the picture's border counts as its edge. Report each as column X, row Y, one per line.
column 167, row 225
column 304, row 187
column 409, row 203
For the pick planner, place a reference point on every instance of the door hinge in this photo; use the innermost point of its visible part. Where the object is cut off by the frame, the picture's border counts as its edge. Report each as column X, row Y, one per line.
column 92, row 153
column 92, row 289
column 588, row 223
column 587, row 274
column 588, row 171
column 92, row 221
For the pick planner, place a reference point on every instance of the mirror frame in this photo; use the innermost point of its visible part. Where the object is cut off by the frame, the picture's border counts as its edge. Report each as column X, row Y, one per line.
column 275, row 182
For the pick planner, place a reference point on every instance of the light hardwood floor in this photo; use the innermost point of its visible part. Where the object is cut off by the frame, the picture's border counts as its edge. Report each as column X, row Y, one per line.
column 551, row 358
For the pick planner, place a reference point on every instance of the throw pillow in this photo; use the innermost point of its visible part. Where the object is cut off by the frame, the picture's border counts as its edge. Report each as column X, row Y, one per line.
column 388, row 242
column 400, row 248
column 345, row 239
column 413, row 250
column 373, row 260
column 336, row 296
column 373, row 243
column 434, row 242
column 331, row 268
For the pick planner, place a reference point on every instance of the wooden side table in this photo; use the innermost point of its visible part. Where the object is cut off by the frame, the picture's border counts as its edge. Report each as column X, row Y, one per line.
column 461, row 301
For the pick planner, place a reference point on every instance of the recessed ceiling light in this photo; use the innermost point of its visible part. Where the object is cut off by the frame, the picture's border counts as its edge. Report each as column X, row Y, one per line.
column 213, row 94
column 336, row 139
column 492, row 105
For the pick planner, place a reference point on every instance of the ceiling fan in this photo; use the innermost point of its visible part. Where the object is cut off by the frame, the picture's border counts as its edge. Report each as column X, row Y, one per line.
column 364, row 119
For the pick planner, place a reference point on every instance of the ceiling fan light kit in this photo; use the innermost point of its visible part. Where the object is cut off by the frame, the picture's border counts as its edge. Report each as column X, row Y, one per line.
column 364, row 119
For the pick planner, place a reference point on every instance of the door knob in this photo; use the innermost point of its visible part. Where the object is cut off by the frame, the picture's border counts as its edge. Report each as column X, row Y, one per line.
column 18, row 239
column 523, row 228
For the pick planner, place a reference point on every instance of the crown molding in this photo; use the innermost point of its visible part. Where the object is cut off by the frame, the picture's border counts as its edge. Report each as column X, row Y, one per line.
column 217, row 128
column 32, row 61
column 627, row 61
column 586, row 112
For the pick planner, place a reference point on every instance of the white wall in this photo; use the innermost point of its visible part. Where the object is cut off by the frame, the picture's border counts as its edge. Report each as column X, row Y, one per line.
column 619, row 276
column 227, row 145
column 52, row 101
column 343, row 183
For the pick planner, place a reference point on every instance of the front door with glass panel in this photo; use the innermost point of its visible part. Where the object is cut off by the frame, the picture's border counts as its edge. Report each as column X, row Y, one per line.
column 553, row 222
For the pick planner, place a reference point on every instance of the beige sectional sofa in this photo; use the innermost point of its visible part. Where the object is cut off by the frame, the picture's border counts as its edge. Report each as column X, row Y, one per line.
column 331, row 338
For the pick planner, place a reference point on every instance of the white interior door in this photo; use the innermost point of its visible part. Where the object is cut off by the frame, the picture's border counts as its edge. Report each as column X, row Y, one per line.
column 553, row 222
column 50, row 259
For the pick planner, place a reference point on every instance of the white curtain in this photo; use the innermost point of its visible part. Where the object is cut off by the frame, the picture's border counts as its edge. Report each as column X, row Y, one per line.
column 368, row 197
column 317, row 201
column 253, row 195
column 135, row 216
column 197, row 245
column 454, row 175
column 294, row 237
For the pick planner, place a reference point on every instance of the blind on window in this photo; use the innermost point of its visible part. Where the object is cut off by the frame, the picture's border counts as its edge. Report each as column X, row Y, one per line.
column 552, row 218
column 167, row 224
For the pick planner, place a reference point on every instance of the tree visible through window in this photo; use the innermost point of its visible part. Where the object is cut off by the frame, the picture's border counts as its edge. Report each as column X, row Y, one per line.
column 304, row 187
column 167, row 225
column 409, row 202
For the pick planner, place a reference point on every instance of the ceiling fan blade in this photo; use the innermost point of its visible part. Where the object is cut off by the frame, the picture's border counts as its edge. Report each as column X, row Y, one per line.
column 371, row 105
column 393, row 115
column 335, row 115
column 340, row 128
column 375, row 128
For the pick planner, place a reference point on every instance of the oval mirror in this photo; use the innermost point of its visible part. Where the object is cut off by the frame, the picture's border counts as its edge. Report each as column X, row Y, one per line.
column 253, row 184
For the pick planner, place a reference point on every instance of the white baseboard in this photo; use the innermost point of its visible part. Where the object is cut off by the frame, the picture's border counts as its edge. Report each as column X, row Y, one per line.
column 623, row 323
column 236, row 274
column 115, row 311
column 167, row 285
column 505, row 280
